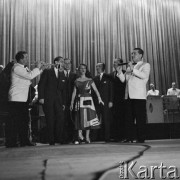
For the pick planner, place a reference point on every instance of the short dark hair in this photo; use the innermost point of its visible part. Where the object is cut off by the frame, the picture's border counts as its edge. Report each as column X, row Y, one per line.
column 67, row 59
column 103, row 65
column 20, row 55
column 82, row 65
column 88, row 74
column 140, row 51
column 119, row 60
column 57, row 59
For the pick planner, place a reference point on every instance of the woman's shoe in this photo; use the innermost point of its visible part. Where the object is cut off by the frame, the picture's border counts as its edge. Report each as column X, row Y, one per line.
column 87, row 141
column 76, row 142
column 82, row 140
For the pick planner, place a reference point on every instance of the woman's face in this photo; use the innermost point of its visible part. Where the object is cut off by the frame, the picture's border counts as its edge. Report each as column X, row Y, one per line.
column 82, row 69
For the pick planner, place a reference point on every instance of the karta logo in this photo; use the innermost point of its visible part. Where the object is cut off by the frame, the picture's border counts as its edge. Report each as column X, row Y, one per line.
column 126, row 171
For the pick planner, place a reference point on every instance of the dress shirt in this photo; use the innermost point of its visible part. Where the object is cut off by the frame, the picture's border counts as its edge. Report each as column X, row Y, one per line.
column 101, row 75
column 56, row 71
column 173, row 92
column 153, row 93
column 20, row 82
column 66, row 72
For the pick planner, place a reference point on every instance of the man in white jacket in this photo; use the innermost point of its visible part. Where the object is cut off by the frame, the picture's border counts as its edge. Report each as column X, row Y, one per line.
column 137, row 75
column 17, row 124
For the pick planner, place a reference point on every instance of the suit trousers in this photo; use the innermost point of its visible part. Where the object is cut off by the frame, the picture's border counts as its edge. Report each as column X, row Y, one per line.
column 54, row 115
column 68, row 126
column 118, row 123
column 17, row 123
column 135, row 112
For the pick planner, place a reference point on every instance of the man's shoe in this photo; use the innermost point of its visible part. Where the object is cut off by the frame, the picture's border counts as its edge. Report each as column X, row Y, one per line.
column 27, row 144
column 64, row 142
column 51, row 143
column 107, row 141
column 31, row 144
column 11, row 145
column 127, row 141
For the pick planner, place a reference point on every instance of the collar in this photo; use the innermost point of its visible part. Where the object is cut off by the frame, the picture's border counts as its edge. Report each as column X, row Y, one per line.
column 101, row 74
column 140, row 62
column 65, row 71
column 20, row 65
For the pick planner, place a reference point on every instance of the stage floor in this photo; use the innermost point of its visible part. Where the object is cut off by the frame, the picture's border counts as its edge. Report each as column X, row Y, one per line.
column 90, row 161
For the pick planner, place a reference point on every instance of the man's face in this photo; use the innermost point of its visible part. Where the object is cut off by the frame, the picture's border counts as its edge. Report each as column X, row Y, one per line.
column 99, row 68
column 152, row 86
column 136, row 57
column 174, row 85
column 60, row 63
column 115, row 64
column 24, row 61
column 67, row 64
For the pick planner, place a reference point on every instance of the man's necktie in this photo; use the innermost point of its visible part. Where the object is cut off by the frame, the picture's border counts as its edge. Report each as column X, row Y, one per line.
column 67, row 74
column 101, row 75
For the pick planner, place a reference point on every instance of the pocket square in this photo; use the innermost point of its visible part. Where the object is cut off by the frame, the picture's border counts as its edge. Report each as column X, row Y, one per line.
column 104, row 82
column 63, row 80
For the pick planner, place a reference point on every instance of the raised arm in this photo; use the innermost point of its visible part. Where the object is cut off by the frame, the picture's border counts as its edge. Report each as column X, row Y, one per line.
column 27, row 74
column 120, row 74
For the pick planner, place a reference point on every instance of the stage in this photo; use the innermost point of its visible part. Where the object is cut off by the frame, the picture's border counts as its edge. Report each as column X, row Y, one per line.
column 87, row 161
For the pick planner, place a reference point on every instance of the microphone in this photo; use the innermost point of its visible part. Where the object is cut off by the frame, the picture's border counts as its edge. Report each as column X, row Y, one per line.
column 121, row 64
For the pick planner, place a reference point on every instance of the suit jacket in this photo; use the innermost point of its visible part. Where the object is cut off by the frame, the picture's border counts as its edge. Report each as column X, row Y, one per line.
column 118, row 87
column 20, row 82
column 51, row 87
column 69, row 86
column 137, row 80
column 105, row 88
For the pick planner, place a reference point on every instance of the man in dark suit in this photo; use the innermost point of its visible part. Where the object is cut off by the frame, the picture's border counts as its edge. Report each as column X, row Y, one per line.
column 69, row 85
column 51, row 92
column 104, row 86
column 118, row 123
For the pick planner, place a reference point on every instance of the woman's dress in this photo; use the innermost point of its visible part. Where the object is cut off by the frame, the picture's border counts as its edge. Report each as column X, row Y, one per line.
column 85, row 113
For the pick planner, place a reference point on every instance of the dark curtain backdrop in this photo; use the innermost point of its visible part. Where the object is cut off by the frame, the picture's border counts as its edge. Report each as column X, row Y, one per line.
column 92, row 31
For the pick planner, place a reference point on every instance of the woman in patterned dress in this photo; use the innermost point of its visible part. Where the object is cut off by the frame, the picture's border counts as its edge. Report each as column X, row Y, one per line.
column 83, row 105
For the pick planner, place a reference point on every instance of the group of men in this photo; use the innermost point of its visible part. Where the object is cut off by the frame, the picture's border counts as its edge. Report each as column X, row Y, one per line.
column 174, row 91
column 54, row 92
column 122, row 91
